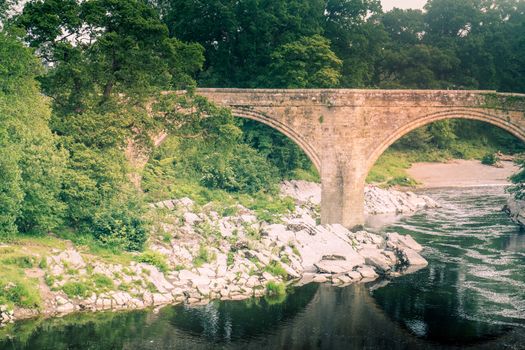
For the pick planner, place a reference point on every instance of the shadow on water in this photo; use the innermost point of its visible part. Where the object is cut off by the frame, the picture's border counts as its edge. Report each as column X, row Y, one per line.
column 472, row 295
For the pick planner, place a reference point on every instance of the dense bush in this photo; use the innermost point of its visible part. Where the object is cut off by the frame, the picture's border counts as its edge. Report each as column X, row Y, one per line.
column 244, row 170
column 489, row 159
column 121, row 224
column 31, row 166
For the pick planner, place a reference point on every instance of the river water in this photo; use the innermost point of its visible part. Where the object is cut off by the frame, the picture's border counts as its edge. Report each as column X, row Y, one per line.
column 472, row 295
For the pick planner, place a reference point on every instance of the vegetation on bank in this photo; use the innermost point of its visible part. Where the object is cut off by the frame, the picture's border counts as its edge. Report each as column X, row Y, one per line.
column 80, row 79
column 455, row 139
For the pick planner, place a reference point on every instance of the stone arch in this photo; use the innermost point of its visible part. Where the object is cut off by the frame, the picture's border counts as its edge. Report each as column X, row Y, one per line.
column 443, row 115
column 286, row 130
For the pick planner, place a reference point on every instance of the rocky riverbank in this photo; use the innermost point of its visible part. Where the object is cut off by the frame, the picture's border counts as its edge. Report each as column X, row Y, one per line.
column 516, row 210
column 197, row 254
column 377, row 200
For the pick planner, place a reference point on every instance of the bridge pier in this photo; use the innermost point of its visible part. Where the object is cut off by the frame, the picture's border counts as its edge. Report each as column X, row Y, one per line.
column 342, row 195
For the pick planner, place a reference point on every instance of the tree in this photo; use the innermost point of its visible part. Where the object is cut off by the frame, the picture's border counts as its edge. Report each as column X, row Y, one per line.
column 305, row 63
column 31, row 165
column 239, row 36
column 106, row 60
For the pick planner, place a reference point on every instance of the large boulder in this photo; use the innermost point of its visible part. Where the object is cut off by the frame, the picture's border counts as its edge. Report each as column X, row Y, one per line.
column 516, row 210
column 395, row 240
column 335, row 266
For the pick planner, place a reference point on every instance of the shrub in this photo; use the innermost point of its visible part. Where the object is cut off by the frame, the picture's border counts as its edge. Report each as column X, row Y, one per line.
column 121, row 224
column 19, row 293
column 102, row 282
column 489, row 159
column 230, row 259
column 203, row 256
column 276, row 269
column 153, row 258
column 76, row 289
column 275, row 289
column 244, row 171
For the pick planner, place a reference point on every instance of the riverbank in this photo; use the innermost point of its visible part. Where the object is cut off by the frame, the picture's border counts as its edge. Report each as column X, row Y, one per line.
column 462, row 173
column 200, row 253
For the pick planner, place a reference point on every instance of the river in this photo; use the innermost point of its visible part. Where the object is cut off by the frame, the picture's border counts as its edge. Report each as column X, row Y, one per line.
column 472, row 294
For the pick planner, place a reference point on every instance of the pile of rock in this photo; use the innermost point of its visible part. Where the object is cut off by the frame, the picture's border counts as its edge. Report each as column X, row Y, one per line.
column 377, row 200
column 228, row 256
column 380, row 201
column 6, row 315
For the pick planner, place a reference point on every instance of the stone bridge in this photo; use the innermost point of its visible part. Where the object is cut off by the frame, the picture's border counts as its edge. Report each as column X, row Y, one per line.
column 344, row 132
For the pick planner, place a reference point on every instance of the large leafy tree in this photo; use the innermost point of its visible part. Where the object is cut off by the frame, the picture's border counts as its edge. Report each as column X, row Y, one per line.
column 31, row 165
column 240, row 36
column 306, row 63
column 106, row 60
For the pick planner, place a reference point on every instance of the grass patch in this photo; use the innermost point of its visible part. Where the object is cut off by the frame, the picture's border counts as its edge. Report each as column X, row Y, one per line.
column 77, row 289
column 276, row 269
column 22, row 261
column 20, row 292
column 102, row 282
column 230, row 259
column 203, row 256
column 275, row 289
column 153, row 258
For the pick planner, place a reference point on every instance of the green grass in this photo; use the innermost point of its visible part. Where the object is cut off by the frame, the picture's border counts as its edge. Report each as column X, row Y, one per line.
column 203, row 256
column 155, row 259
column 275, row 289
column 230, row 259
column 75, row 289
column 22, row 261
column 102, row 282
column 18, row 290
column 275, row 268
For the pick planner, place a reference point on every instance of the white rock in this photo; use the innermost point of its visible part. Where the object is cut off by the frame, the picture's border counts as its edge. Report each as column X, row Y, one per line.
column 375, row 257
column 65, row 308
column 320, row 279
column 403, row 241
column 367, row 272
column 413, row 258
column 191, row 218
column 335, row 266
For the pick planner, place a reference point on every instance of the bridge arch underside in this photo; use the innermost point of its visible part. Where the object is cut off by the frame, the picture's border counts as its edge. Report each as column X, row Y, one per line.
column 284, row 129
column 489, row 118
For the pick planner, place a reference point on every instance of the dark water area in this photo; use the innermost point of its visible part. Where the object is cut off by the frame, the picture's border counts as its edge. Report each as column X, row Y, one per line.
column 472, row 295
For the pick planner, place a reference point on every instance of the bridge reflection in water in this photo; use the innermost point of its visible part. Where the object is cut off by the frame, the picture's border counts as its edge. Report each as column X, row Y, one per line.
column 313, row 317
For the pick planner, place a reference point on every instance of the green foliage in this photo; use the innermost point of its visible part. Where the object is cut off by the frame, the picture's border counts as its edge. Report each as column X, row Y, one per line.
column 19, row 293
column 22, row 261
column 245, row 171
column 31, row 164
column 306, row 63
column 489, row 159
column 76, row 289
column 275, row 289
column 279, row 150
column 153, row 258
column 203, row 257
column 230, row 259
column 102, row 282
column 116, row 55
column 122, row 225
column 276, row 269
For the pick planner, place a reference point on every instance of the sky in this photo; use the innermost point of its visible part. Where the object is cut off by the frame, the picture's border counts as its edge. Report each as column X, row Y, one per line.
column 403, row 4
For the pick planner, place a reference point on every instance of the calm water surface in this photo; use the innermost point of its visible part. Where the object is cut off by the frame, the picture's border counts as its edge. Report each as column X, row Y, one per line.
column 472, row 295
